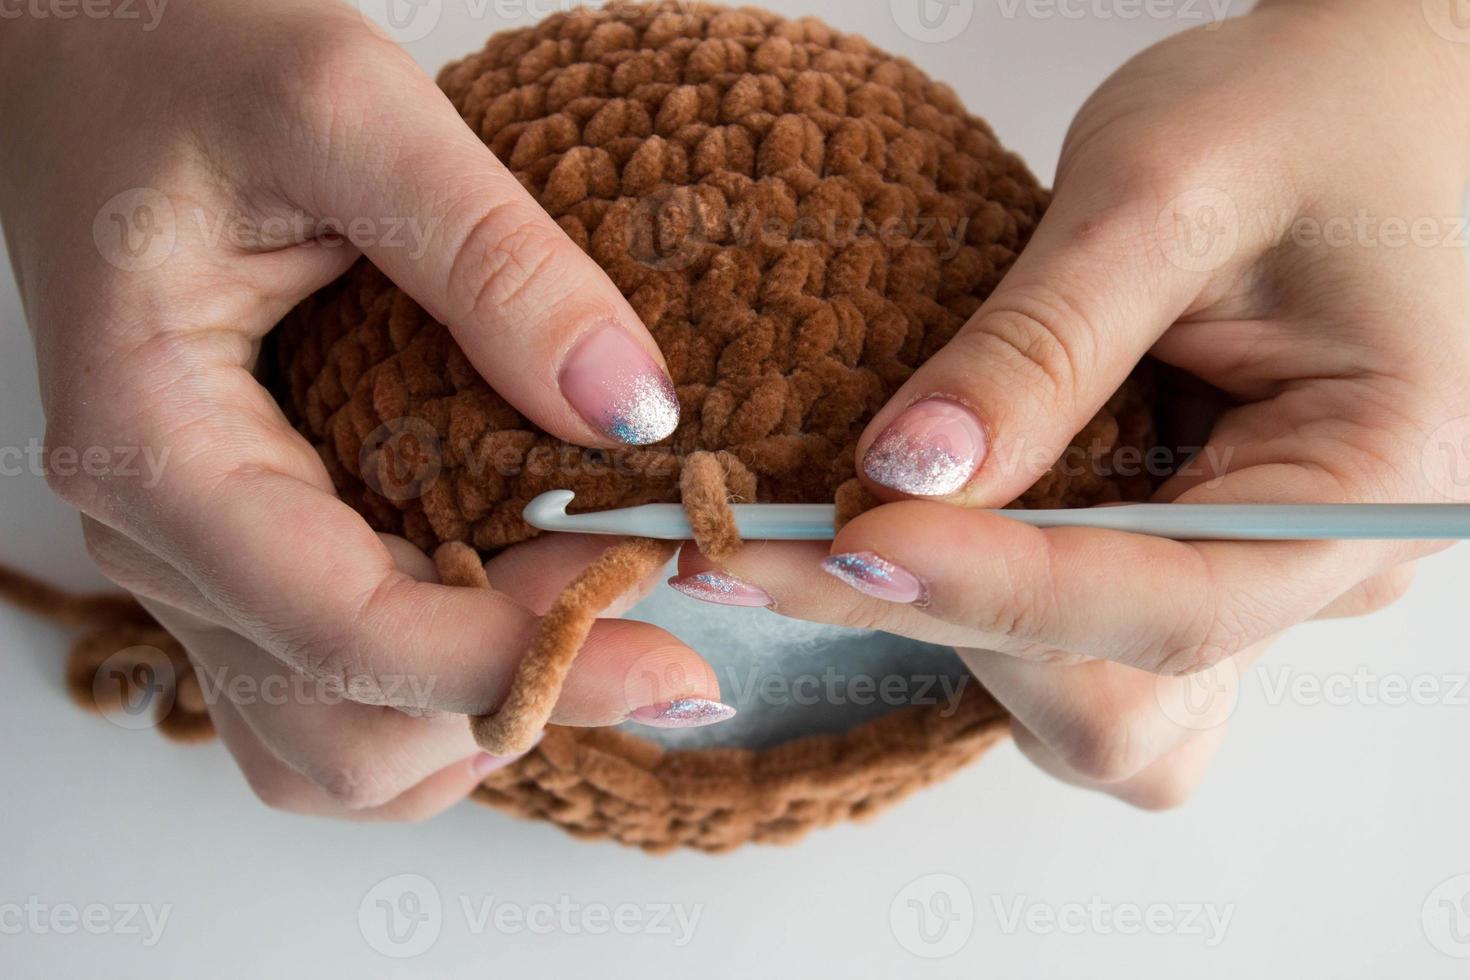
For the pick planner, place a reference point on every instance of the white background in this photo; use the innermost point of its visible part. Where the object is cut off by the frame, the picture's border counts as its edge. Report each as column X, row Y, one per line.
column 1321, row 832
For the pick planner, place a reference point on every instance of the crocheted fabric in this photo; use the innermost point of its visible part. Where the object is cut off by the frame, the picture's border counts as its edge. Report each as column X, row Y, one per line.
column 800, row 220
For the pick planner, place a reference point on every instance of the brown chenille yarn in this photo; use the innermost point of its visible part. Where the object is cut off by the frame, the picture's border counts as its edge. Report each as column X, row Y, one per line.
column 800, row 220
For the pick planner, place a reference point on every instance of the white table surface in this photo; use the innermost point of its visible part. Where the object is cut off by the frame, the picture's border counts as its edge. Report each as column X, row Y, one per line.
column 1319, row 839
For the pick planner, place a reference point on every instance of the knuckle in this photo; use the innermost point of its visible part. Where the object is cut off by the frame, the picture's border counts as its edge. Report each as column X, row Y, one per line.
column 1168, row 787
column 274, row 789
column 506, row 255
column 1385, row 590
column 73, row 484
column 1026, row 603
column 325, row 65
column 1217, row 632
column 1108, row 750
column 1038, row 337
column 115, row 564
column 355, row 785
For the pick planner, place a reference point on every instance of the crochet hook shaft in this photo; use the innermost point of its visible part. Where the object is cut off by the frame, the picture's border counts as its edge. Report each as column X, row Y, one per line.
column 1182, row 522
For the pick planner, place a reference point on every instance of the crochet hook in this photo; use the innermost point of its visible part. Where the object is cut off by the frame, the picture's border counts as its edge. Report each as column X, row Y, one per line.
column 1181, row 522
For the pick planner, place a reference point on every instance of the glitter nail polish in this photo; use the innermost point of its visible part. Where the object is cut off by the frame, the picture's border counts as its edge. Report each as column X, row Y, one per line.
column 931, row 450
column 722, row 589
column 683, row 713
column 874, row 576
column 616, row 386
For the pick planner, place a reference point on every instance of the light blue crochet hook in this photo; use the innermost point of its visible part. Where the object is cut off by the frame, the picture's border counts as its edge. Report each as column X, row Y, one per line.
column 1182, row 522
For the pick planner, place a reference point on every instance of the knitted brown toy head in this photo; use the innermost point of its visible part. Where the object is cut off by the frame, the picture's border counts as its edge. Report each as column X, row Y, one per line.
column 800, row 220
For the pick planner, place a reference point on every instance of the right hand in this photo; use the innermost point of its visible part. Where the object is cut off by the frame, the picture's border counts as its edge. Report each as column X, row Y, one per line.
column 284, row 114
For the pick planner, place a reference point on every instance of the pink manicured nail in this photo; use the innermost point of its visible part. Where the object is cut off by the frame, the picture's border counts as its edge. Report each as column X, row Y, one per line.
column 875, row 576
column 722, row 589
column 931, row 450
column 485, row 763
column 619, row 388
column 683, row 713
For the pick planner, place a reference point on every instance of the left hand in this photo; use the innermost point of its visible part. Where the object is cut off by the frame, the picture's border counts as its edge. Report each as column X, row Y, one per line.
column 1318, row 152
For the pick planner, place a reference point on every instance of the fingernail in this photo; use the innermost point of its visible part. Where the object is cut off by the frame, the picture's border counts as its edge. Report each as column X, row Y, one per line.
column 874, row 576
column 683, row 713
column 722, row 589
column 931, row 450
column 485, row 763
column 617, row 387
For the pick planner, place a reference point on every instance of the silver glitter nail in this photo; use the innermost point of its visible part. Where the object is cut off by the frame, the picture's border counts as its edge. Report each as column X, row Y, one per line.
column 644, row 410
column 919, row 468
column 722, row 589
column 861, row 569
column 684, row 713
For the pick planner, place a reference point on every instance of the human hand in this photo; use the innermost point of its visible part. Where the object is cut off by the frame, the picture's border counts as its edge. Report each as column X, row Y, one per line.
column 167, row 197
column 1210, row 210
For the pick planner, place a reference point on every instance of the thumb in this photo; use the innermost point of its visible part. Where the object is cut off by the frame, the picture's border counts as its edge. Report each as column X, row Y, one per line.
column 538, row 319
column 983, row 420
